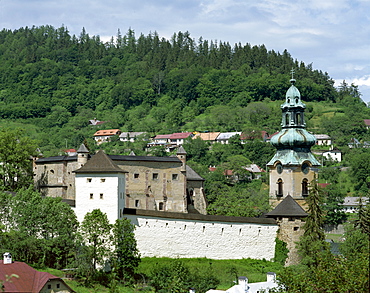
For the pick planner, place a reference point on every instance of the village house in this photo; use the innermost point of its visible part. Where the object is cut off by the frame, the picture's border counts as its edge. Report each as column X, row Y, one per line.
column 323, row 139
column 131, row 136
column 207, row 136
column 20, row 277
column 225, row 136
column 105, row 135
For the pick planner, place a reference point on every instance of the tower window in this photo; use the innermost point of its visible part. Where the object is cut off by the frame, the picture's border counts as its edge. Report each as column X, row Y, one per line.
column 160, row 206
column 175, row 176
column 137, row 203
column 91, row 195
column 299, row 122
column 287, row 119
column 305, row 187
column 101, row 195
column 155, row 176
column 280, row 187
column 136, row 176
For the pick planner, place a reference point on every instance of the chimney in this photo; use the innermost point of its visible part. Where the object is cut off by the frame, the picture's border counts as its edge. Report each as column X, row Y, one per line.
column 7, row 258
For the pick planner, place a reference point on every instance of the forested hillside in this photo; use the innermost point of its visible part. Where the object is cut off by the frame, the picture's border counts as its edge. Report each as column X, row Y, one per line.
column 52, row 83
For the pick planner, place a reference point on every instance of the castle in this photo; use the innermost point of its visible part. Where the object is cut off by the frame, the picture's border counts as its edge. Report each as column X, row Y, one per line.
column 164, row 197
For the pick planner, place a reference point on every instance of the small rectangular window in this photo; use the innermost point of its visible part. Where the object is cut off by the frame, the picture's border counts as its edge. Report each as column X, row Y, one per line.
column 49, row 286
column 175, row 176
column 136, row 176
column 89, row 180
column 101, row 195
column 91, row 195
column 155, row 176
column 58, row 285
column 137, row 203
column 102, row 180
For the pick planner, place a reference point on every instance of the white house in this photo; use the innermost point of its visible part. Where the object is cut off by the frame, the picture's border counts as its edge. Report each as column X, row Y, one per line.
column 130, row 136
column 334, row 154
column 224, row 137
column 105, row 135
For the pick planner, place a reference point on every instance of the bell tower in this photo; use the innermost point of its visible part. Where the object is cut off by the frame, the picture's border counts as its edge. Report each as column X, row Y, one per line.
column 293, row 167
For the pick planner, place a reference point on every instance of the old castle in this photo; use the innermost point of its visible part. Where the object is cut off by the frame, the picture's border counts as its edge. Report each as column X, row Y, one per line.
column 165, row 199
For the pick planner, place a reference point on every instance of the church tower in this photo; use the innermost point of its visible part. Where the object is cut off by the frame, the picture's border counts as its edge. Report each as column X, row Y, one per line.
column 294, row 166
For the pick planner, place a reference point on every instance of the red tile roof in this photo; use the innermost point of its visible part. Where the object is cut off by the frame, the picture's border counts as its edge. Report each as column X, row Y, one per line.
column 180, row 135
column 29, row 279
column 161, row 136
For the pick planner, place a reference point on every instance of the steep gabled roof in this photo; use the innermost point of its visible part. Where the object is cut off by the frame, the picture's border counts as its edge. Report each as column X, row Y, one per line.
column 29, row 280
column 100, row 163
column 287, row 208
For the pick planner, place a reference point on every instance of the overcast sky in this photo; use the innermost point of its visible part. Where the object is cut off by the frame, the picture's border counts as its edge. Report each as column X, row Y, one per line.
column 333, row 35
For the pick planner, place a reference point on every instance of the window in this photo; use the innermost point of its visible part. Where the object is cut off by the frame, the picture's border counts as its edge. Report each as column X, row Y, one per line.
column 102, row 180
column 299, row 122
column 175, row 176
column 49, row 286
column 89, row 180
column 155, row 176
column 280, row 188
column 101, row 195
column 136, row 176
column 137, row 203
column 305, row 187
column 91, row 195
column 160, row 206
column 58, row 285
column 287, row 119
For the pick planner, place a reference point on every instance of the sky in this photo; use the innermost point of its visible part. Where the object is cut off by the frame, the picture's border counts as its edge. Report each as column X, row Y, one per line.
column 333, row 35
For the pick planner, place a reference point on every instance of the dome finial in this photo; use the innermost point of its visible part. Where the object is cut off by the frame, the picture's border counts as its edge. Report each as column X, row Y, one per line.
column 292, row 80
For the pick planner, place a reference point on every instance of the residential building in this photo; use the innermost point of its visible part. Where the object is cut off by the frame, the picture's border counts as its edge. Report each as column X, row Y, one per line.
column 207, row 136
column 323, row 139
column 105, row 135
column 225, row 136
column 131, row 136
column 20, row 277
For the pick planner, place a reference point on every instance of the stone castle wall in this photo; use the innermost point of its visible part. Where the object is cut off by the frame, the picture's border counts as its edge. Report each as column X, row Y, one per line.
column 174, row 235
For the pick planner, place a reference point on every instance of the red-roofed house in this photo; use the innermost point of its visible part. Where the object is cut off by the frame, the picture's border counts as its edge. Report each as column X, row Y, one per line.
column 20, row 277
column 178, row 138
column 105, row 135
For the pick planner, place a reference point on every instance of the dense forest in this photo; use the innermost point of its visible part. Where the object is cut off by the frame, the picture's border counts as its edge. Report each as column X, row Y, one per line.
column 52, row 83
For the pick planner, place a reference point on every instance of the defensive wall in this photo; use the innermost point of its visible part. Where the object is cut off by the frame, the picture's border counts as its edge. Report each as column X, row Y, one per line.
column 180, row 235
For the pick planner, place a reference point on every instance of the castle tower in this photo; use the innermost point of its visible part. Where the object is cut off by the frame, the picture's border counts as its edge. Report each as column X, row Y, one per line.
column 181, row 154
column 294, row 166
column 82, row 155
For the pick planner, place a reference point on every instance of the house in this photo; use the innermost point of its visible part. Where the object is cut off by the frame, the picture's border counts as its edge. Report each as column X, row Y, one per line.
column 367, row 123
column 105, row 135
column 225, row 136
column 244, row 287
column 255, row 170
column 177, row 139
column 252, row 135
column 96, row 122
column 351, row 204
column 323, row 139
column 71, row 152
column 130, row 136
column 207, row 136
column 20, row 277
column 334, row 154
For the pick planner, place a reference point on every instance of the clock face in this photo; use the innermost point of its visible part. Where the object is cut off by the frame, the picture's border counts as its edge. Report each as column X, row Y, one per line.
column 279, row 168
column 305, row 168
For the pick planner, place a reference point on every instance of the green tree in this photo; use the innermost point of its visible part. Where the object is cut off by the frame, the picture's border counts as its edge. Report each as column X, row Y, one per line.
column 16, row 154
column 96, row 234
column 126, row 257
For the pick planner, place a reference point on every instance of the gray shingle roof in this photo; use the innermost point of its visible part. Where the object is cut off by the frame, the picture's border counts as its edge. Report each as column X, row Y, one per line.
column 192, row 175
column 287, row 208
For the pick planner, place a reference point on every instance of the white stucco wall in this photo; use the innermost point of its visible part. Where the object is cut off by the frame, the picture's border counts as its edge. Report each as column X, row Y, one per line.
column 112, row 188
column 183, row 238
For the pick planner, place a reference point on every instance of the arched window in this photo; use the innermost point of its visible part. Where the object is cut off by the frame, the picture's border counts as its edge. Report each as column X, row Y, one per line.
column 286, row 119
column 298, row 117
column 280, row 187
column 305, row 187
